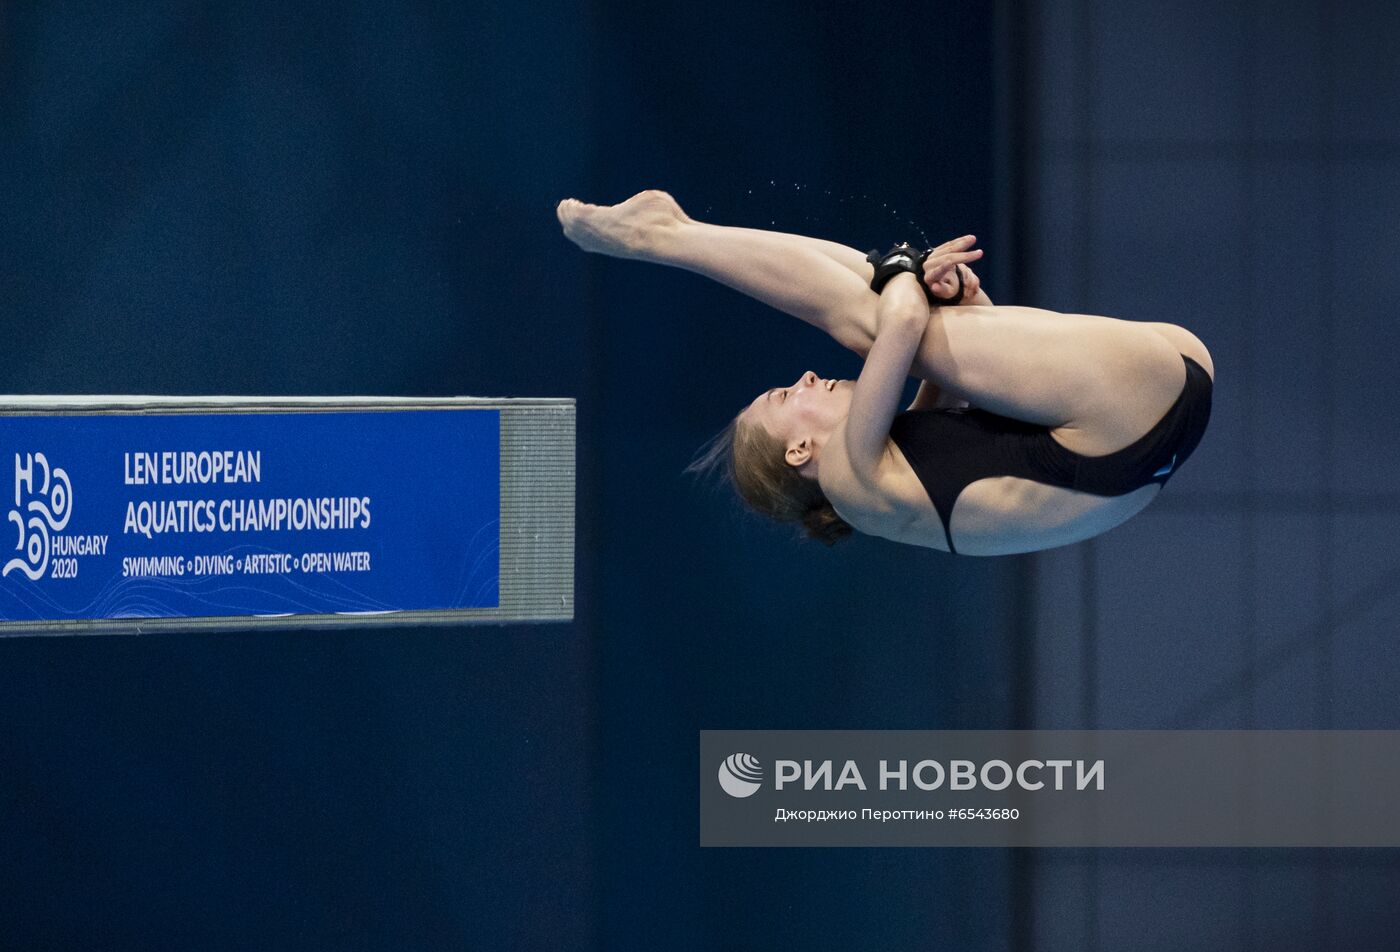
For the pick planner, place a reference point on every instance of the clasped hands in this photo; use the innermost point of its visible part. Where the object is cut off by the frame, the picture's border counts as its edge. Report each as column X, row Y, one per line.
column 942, row 267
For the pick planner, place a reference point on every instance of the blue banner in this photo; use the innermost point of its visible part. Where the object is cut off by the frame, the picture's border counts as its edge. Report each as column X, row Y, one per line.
column 237, row 514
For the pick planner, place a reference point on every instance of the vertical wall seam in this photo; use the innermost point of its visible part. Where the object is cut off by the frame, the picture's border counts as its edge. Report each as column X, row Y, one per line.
column 1323, row 673
column 1014, row 67
column 1089, row 640
column 1249, row 568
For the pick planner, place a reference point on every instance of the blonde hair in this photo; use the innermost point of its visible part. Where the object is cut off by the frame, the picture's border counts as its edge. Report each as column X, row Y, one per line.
column 752, row 460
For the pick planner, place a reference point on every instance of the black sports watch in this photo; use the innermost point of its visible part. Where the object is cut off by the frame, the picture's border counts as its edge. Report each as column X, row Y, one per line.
column 905, row 257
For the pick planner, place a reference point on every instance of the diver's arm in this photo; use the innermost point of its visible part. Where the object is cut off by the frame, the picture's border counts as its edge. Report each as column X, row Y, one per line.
column 902, row 320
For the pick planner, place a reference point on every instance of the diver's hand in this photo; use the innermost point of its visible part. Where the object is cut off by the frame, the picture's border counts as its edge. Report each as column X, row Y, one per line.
column 947, row 286
column 939, row 275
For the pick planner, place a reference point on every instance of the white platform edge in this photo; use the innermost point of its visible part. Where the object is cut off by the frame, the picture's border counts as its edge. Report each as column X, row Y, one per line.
column 69, row 401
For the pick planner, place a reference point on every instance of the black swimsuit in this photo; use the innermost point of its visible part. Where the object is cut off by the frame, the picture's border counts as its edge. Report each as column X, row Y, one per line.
column 950, row 449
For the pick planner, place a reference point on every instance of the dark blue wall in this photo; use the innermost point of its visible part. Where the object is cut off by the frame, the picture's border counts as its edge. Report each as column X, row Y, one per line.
column 257, row 198
column 1234, row 167
column 714, row 620
column 271, row 199
column 300, row 199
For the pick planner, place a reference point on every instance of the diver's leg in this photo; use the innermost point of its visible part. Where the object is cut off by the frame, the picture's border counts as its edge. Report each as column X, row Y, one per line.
column 814, row 281
column 796, row 276
column 1104, row 382
column 844, row 255
column 825, row 283
column 1187, row 343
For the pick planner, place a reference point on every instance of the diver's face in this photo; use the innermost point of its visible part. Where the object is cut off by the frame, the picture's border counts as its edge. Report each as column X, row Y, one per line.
column 808, row 409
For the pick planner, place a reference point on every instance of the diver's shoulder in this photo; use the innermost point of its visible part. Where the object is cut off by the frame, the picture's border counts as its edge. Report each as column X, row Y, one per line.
column 884, row 502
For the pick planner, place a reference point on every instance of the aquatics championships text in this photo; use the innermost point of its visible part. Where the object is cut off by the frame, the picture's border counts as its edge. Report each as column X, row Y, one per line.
column 150, row 518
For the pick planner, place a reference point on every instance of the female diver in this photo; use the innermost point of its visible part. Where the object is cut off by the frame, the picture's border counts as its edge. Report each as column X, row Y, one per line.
column 1031, row 429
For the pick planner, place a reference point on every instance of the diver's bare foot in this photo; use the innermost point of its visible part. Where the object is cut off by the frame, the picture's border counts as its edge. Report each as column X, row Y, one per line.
column 631, row 229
